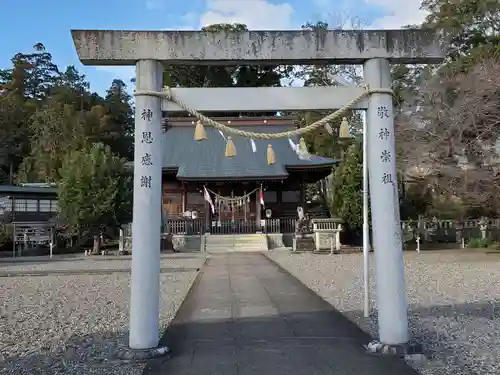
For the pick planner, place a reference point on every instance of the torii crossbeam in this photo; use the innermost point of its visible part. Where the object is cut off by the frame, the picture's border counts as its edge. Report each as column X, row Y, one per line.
column 149, row 51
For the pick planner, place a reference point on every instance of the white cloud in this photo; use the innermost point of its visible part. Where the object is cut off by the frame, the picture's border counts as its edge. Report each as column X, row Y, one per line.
column 401, row 13
column 256, row 14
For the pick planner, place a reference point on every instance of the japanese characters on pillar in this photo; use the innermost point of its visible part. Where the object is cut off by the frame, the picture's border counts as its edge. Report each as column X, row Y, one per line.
column 385, row 155
column 146, row 158
column 387, row 162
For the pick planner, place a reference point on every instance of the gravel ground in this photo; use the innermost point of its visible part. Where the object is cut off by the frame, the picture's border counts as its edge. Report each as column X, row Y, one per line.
column 454, row 302
column 71, row 324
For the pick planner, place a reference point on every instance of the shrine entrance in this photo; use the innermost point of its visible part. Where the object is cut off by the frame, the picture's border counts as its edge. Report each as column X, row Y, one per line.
column 149, row 50
column 232, row 214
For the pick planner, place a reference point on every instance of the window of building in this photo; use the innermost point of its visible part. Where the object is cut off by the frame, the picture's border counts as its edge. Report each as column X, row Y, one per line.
column 20, row 205
column 54, row 206
column 291, row 196
column 44, row 205
column 31, row 205
column 270, row 197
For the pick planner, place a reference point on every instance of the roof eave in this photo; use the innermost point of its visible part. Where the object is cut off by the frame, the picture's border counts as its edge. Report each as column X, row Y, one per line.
column 311, row 166
column 234, row 178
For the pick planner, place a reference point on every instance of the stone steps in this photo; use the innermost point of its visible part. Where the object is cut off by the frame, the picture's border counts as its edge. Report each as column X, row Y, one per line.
column 228, row 243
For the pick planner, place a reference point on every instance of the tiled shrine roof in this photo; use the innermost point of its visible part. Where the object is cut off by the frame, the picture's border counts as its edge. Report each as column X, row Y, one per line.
column 205, row 160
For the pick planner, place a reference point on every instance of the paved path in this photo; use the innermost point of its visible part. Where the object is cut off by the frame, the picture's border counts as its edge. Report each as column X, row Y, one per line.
column 245, row 315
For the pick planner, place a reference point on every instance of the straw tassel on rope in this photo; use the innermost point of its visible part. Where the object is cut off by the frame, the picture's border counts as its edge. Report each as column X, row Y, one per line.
column 199, row 132
column 302, row 145
column 230, row 148
column 344, row 128
column 271, row 157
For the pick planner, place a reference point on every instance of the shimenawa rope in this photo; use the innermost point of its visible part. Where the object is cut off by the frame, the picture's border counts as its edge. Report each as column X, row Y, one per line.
column 167, row 93
column 231, row 199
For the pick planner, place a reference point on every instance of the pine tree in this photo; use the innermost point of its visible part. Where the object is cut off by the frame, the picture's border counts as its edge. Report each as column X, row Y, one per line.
column 347, row 201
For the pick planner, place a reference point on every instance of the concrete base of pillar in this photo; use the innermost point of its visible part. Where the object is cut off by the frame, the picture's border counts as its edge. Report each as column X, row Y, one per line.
column 401, row 350
column 142, row 355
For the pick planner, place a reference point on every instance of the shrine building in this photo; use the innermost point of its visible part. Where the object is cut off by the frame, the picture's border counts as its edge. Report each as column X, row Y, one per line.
column 247, row 191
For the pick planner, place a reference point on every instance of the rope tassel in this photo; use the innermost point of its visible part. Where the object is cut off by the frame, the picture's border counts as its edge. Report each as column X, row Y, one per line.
column 302, row 145
column 344, row 128
column 271, row 157
column 199, row 132
column 230, row 148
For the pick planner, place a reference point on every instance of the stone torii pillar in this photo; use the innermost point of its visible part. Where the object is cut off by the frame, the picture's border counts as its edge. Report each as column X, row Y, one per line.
column 373, row 48
column 146, row 225
column 384, row 199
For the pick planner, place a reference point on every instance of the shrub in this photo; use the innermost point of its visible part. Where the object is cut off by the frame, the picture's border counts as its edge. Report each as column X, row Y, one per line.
column 478, row 243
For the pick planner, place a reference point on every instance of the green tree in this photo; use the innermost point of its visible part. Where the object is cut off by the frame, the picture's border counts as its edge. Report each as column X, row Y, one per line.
column 95, row 191
column 118, row 131
column 415, row 199
column 71, row 87
column 44, row 112
column 56, row 129
column 32, row 75
column 468, row 23
column 346, row 200
column 14, row 133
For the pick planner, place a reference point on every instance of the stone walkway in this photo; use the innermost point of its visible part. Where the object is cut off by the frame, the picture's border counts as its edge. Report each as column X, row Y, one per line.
column 245, row 315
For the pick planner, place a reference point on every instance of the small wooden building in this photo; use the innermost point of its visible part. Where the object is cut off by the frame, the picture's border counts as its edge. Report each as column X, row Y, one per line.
column 31, row 209
column 28, row 202
column 234, row 183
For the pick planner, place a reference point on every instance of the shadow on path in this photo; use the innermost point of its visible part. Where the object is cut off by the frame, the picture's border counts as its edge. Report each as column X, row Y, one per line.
column 245, row 315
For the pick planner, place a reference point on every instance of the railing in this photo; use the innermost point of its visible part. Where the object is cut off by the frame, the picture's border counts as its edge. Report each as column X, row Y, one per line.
column 325, row 224
column 184, row 226
column 270, row 226
column 288, row 225
column 233, row 227
column 450, row 231
column 280, row 225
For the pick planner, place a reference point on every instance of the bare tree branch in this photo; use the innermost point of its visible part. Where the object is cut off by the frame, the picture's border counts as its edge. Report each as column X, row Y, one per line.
column 450, row 129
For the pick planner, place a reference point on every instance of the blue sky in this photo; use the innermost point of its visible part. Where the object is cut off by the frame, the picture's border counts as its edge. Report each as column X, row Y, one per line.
column 27, row 22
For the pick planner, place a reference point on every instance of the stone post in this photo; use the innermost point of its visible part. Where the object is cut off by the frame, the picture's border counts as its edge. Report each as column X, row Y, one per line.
column 483, row 226
column 387, row 240
column 338, row 245
column 146, row 225
column 459, row 231
column 121, row 242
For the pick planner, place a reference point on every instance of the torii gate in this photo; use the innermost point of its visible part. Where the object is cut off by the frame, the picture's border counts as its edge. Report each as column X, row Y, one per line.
column 374, row 49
